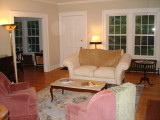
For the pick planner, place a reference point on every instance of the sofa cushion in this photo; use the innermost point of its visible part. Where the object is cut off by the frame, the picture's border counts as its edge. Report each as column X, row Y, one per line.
column 99, row 57
column 105, row 72
column 86, row 71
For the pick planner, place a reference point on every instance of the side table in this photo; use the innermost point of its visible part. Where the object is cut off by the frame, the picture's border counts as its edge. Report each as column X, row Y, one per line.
column 3, row 113
column 145, row 64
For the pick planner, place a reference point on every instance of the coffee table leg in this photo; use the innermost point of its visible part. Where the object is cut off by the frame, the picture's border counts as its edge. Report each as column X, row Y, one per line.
column 51, row 91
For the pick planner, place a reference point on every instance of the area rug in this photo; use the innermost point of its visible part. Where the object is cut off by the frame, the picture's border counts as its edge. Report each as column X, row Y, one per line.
column 55, row 110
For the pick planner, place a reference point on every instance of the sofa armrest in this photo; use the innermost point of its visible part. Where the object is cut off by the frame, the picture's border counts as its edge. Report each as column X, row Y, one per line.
column 123, row 65
column 71, row 63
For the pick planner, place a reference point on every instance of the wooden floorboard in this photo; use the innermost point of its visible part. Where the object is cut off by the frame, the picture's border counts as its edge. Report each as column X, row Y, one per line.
column 41, row 80
column 153, row 110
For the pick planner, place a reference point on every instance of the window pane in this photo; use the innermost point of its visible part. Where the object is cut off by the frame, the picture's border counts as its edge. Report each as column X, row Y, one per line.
column 37, row 40
column 117, row 20
column 144, row 29
column 144, row 40
column 111, row 39
column 111, row 47
column 138, row 29
column 151, row 29
column 33, row 32
column 144, row 19
column 137, row 40
column 117, row 29
column 117, row 40
column 111, row 29
column 29, row 48
column 37, row 48
column 123, row 19
column 150, row 40
column 144, row 50
column 137, row 50
column 151, row 19
column 33, row 48
column 123, row 29
column 138, row 19
column 29, row 32
column 117, row 47
column 111, row 20
column 37, row 32
column 123, row 40
column 151, row 50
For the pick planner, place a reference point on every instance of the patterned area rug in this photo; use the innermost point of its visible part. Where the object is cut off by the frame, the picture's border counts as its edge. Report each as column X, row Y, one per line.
column 55, row 110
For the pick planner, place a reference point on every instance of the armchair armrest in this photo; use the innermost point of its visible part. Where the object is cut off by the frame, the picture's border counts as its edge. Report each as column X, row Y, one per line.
column 72, row 111
column 71, row 62
column 19, row 86
column 17, row 103
column 123, row 65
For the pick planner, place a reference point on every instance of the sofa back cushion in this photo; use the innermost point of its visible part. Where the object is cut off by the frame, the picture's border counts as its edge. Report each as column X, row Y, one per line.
column 100, row 57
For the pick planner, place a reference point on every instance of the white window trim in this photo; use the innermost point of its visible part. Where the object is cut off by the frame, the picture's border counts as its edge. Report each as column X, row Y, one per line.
column 130, row 13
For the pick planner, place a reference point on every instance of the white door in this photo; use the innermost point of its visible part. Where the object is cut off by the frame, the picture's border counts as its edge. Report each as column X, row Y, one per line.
column 72, row 33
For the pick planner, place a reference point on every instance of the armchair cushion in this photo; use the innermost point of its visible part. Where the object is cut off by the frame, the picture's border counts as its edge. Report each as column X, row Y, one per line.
column 105, row 72
column 86, row 71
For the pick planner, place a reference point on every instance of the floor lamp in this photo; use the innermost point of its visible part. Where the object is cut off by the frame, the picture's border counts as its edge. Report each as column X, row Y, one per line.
column 10, row 28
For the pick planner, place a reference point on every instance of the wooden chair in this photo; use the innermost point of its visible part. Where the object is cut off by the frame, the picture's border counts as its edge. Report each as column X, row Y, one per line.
column 19, row 60
column 39, row 59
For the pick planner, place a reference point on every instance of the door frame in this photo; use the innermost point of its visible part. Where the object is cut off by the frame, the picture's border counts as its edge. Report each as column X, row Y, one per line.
column 77, row 13
column 45, row 39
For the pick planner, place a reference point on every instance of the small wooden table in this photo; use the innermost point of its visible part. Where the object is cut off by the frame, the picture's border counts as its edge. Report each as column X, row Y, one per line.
column 145, row 64
column 3, row 113
column 76, row 85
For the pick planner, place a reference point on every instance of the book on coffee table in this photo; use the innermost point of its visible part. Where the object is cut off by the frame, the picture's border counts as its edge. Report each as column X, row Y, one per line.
column 91, row 84
column 66, row 81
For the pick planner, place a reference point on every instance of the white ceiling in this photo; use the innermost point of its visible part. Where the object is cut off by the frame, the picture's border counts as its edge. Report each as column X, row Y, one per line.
column 70, row 1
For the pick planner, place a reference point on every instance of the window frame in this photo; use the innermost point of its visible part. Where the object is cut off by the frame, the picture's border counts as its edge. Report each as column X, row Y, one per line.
column 120, row 35
column 130, row 13
column 155, row 38
column 25, row 34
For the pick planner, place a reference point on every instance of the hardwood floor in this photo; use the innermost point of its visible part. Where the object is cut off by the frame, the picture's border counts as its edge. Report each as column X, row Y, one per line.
column 41, row 80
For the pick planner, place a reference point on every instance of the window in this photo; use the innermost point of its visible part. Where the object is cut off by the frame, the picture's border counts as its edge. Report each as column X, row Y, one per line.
column 144, row 35
column 134, row 30
column 33, row 36
column 27, row 35
column 18, row 36
column 117, row 32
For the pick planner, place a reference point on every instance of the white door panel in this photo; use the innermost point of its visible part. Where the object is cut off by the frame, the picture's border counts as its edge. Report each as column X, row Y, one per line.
column 72, row 33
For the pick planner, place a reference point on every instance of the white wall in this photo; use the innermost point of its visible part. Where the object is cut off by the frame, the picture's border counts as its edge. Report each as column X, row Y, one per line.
column 36, row 7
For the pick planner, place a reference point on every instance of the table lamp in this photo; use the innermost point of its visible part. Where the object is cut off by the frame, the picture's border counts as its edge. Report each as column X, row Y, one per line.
column 95, row 41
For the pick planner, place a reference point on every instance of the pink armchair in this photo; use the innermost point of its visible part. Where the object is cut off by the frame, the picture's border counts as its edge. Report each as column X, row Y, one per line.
column 19, row 99
column 117, row 103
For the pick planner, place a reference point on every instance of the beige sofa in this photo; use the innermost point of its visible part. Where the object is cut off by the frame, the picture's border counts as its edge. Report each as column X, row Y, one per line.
column 98, row 65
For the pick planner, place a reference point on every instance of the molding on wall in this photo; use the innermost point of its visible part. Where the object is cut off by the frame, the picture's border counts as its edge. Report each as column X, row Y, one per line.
column 72, row 2
column 53, row 67
column 47, row 1
column 86, row 1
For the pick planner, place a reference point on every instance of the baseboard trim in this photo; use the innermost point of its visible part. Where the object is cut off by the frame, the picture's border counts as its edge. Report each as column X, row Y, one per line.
column 54, row 67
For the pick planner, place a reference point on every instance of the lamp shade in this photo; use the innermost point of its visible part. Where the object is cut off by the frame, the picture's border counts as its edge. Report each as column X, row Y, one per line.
column 9, row 27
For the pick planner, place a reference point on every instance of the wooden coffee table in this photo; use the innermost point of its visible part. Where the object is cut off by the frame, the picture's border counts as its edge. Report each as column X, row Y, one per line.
column 76, row 85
